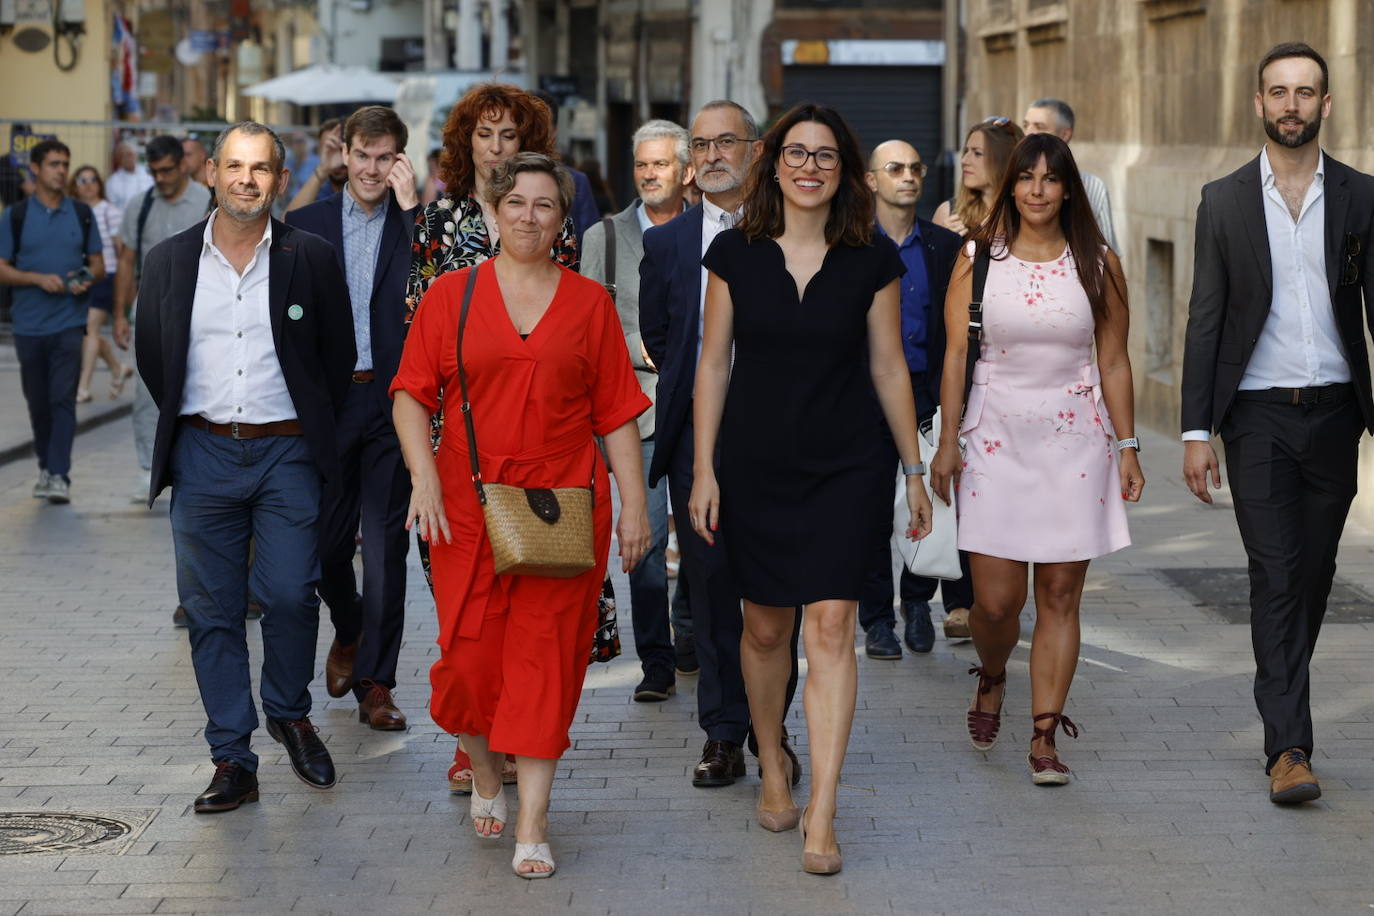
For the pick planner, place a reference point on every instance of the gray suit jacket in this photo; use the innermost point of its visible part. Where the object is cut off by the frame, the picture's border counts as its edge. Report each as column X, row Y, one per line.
column 629, row 250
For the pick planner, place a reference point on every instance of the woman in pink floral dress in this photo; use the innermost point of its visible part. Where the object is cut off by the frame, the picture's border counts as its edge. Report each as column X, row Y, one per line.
column 1043, row 474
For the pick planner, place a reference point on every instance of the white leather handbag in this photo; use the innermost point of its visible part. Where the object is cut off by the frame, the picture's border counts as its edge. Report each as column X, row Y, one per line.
column 935, row 556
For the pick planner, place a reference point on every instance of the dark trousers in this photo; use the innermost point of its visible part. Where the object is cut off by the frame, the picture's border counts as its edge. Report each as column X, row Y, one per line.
column 717, row 620
column 649, row 609
column 375, row 488
column 49, row 369
column 1293, row 476
column 875, row 603
column 225, row 491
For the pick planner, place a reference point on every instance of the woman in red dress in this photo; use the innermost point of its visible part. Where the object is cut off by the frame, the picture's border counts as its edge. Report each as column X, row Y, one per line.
column 547, row 370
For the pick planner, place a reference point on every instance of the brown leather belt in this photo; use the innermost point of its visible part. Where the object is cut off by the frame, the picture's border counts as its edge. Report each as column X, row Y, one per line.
column 365, row 375
column 244, row 430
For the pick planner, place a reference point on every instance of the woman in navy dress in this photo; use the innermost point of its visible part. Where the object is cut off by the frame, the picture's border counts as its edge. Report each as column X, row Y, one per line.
column 803, row 323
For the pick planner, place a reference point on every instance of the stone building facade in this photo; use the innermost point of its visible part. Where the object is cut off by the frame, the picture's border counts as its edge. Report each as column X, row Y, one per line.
column 1163, row 93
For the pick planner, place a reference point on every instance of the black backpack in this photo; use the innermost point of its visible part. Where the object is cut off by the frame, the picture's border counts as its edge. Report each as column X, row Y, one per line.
column 84, row 216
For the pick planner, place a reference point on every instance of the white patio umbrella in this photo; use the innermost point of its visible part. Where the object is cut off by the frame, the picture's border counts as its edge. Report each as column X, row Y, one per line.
column 326, row 84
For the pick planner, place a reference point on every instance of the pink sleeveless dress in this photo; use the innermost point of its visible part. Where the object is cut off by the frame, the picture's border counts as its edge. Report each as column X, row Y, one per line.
column 1040, row 481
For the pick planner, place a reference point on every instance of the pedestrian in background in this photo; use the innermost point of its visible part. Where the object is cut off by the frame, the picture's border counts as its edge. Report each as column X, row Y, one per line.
column 1054, row 116
column 987, row 149
column 803, row 321
column 487, row 126
column 51, row 253
column 87, row 187
column 546, row 371
column 368, row 224
column 195, row 157
column 330, row 173
column 1276, row 364
column 127, row 180
column 245, row 342
column 662, row 162
column 896, row 176
column 1040, row 486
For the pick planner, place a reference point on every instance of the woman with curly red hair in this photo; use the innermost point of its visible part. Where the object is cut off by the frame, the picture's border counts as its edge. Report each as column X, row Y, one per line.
column 487, row 126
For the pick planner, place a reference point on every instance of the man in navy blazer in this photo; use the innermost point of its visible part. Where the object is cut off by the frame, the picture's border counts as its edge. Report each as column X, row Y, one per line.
column 896, row 176
column 244, row 343
column 369, row 224
column 671, row 288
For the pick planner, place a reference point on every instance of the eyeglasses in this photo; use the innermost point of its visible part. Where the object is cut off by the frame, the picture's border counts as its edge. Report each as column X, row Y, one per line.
column 1350, row 270
column 724, row 143
column 795, row 156
column 997, row 120
column 167, row 170
column 895, row 169
column 87, row 179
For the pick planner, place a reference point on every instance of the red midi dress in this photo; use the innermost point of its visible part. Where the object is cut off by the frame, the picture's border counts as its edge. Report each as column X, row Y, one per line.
column 513, row 650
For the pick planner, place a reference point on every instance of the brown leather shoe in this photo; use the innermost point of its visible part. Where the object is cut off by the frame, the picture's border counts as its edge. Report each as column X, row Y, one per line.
column 338, row 668
column 378, row 710
column 1290, row 779
column 722, row 762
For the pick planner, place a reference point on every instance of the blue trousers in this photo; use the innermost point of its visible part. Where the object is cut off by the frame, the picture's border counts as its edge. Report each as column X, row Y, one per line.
column 649, row 610
column 374, row 488
column 49, row 369
column 224, row 492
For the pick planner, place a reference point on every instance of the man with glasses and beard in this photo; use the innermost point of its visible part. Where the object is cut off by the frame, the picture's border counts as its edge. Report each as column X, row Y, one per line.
column 245, row 341
column 1276, row 364
column 672, row 293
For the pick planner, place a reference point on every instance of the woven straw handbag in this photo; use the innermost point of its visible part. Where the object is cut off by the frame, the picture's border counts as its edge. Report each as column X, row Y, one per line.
column 533, row 532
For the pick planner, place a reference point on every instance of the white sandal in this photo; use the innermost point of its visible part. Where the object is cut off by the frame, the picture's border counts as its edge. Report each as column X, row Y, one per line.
column 495, row 808
column 533, row 852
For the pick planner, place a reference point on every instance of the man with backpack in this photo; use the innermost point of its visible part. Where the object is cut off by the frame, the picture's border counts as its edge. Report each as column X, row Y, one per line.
column 50, row 251
column 172, row 204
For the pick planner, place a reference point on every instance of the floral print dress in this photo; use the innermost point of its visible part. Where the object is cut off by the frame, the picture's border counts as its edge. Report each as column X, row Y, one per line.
column 1040, row 482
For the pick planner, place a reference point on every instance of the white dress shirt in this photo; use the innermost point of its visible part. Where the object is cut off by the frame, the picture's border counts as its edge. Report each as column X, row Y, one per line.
column 232, row 370
column 123, row 186
column 714, row 221
column 1299, row 346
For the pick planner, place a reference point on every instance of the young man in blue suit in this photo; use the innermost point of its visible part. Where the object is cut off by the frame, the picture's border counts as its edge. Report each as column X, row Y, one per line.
column 243, row 340
column 369, row 224
column 672, row 289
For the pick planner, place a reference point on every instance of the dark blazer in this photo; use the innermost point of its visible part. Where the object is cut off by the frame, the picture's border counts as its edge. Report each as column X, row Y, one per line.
column 669, row 314
column 1233, row 286
column 316, row 351
column 388, row 305
column 941, row 248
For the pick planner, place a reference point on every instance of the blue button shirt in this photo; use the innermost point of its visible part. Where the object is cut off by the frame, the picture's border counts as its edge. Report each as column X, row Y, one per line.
column 362, row 237
column 915, row 299
column 51, row 245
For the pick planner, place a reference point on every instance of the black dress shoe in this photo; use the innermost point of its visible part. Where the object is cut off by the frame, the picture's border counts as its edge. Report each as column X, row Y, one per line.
column 920, row 632
column 685, row 651
column 309, row 758
column 722, row 762
column 656, row 687
column 882, row 643
column 231, row 786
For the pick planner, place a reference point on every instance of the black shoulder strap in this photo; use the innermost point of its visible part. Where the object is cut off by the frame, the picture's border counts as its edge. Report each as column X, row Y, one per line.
column 85, row 216
column 463, row 385
column 143, row 211
column 975, row 318
column 17, row 212
column 609, row 282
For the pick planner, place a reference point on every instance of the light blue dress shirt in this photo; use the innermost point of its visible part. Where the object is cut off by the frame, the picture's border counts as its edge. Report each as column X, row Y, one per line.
column 362, row 237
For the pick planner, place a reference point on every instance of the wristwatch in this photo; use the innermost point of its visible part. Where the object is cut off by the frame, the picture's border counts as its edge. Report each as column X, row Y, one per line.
column 914, row 470
column 1132, row 442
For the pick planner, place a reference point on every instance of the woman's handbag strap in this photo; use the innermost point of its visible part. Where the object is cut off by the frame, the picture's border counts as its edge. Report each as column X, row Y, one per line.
column 975, row 318
column 463, row 386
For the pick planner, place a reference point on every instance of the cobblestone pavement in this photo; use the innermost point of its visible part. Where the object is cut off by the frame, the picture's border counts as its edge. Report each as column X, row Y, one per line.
column 1168, row 811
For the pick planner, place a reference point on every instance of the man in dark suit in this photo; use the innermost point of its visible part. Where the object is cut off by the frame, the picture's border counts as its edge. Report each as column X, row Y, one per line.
column 245, row 342
column 1276, row 364
column 896, row 177
column 369, row 225
column 671, row 292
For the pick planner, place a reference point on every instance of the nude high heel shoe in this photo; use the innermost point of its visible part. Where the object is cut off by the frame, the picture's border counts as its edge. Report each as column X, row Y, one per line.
column 819, row 863
column 778, row 821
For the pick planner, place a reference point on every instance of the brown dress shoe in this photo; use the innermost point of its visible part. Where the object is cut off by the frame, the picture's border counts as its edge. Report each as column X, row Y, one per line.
column 378, row 710
column 338, row 668
column 1290, row 779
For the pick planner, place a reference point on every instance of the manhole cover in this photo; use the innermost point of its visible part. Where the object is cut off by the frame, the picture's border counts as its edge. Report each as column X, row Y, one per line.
column 26, row 833
column 1225, row 592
